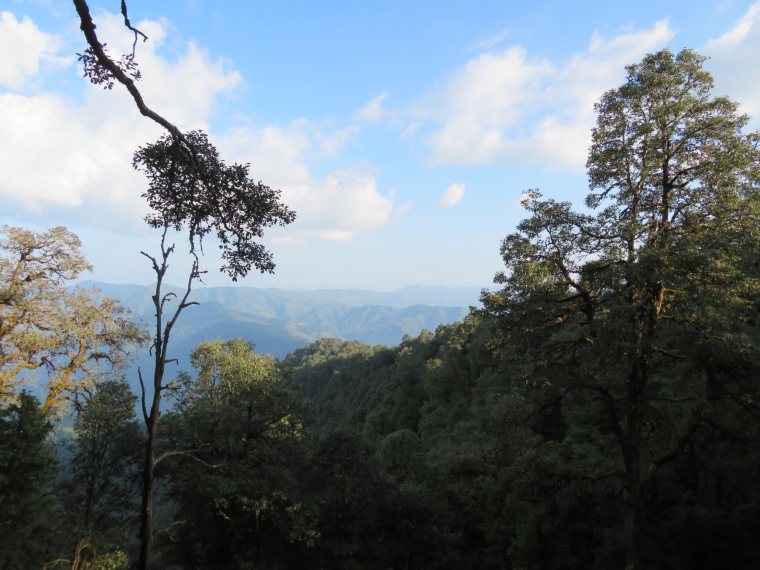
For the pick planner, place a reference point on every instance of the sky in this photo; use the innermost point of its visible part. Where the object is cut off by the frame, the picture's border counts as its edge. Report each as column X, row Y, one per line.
column 402, row 133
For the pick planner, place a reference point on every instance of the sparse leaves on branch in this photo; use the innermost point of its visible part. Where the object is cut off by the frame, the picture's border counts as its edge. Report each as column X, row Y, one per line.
column 102, row 76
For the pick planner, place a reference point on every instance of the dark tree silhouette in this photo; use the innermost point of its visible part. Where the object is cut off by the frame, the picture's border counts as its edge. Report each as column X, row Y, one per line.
column 190, row 188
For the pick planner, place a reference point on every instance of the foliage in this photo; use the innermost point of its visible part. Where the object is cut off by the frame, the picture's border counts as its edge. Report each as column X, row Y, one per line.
column 99, row 75
column 99, row 487
column 116, row 560
column 73, row 335
column 200, row 192
column 418, row 385
column 522, row 476
column 643, row 306
column 27, row 467
column 241, row 430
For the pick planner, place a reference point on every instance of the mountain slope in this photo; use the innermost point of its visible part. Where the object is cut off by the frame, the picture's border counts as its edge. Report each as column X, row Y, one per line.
column 279, row 321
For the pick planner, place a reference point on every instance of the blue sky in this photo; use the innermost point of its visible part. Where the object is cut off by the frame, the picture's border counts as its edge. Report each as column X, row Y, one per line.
column 403, row 133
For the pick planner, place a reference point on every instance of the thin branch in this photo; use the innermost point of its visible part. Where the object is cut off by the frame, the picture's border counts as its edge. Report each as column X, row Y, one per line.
column 668, row 354
column 185, row 452
column 88, row 29
column 602, row 476
column 129, row 25
column 672, row 400
column 142, row 399
column 167, row 530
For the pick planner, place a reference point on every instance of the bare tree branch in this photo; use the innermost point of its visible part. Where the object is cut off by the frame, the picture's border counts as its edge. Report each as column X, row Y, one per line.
column 129, row 25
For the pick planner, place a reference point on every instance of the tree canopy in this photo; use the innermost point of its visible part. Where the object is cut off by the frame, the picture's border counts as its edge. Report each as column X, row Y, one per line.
column 201, row 193
column 74, row 336
column 645, row 304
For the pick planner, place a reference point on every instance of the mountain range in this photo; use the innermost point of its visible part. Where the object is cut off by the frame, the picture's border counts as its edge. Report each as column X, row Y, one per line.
column 279, row 321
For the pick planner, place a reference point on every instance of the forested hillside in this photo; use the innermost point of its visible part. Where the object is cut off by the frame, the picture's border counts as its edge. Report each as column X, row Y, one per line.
column 525, row 475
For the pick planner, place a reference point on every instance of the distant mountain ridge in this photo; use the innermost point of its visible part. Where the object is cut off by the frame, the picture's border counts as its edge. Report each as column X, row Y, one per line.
column 279, row 321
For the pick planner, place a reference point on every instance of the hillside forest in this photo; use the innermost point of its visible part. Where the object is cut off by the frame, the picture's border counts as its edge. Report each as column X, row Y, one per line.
column 598, row 410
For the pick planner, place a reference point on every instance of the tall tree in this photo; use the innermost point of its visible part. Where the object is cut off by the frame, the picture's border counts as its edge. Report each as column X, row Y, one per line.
column 190, row 188
column 73, row 335
column 200, row 194
column 644, row 310
column 100, row 485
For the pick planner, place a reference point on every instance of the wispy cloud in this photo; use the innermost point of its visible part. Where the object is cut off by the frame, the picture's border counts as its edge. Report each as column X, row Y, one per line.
column 332, row 144
column 402, row 209
column 409, row 130
column 488, row 43
column 373, row 111
column 452, row 195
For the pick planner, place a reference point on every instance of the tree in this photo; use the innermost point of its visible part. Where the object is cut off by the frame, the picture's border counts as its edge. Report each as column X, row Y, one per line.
column 645, row 310
column 201, row 193
column 244, row 427
column 100, row 485
column 346, row 483
column 27, row 467
column 75, row 336
column 190, row 188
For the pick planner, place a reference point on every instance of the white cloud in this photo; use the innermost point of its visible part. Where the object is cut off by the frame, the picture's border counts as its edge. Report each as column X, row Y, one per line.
column 287, row 240
column 508, row 107
column 333, row 207
column 340, row 236
column 487, row 96
column 452, row 195
column 402, row 209
column 336, row 207
column 734, row 61
column 276, row 153
column 23, row 48
column 373, row 111
column 52, row 158
column 61, row 154
column 334, row 235
column 183, row 91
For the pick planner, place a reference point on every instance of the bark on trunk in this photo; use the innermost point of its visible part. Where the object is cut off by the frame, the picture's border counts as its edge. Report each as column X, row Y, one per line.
column 146, row 512
column 632, row 518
